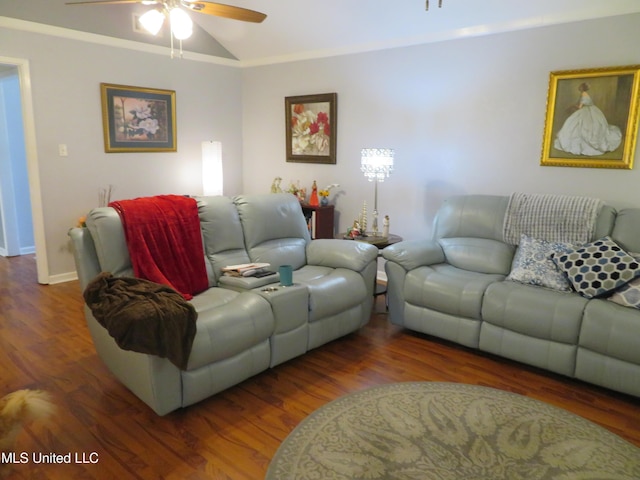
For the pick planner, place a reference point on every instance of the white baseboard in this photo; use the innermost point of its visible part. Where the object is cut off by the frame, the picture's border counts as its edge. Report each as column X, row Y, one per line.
column 63, row 277
column 23, row 251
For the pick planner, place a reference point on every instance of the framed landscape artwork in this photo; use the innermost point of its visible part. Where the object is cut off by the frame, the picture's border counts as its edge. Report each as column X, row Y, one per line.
column 592, row 118
column 311, row 128
column 138, row 119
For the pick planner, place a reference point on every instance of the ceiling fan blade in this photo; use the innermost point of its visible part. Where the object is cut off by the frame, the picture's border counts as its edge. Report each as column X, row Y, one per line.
column 110, row 2
column 226, row 11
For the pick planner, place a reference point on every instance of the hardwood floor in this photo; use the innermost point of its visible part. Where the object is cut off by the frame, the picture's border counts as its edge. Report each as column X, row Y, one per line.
column 44, row 343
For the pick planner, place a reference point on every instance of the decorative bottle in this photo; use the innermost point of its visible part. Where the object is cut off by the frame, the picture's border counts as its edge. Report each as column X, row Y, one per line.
column 313, row 199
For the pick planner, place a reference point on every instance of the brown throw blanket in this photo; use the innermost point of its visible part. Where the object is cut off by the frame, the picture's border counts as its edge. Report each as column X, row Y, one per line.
column 144, row 316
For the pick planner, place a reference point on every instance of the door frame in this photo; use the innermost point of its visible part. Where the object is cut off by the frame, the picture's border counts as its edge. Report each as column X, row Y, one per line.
column 33, row 170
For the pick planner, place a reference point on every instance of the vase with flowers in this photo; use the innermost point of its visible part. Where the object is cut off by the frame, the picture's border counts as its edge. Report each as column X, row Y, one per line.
column 325, row 192
column 324, row 197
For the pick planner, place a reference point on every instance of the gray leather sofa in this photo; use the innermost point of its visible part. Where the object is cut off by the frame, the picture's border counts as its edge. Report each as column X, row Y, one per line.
column 242, row 329
column 455, row 287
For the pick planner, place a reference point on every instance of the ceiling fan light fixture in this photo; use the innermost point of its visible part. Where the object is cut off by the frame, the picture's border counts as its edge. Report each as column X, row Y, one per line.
column 181, row 23
column 152, row 21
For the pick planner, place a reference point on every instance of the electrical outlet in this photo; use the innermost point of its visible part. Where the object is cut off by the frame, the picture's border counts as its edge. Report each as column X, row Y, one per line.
column 62, row 150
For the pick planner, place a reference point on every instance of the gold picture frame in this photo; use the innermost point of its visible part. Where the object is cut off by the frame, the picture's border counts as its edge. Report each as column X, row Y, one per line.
column 311, row 123
column 137, row 119
column 592, row 118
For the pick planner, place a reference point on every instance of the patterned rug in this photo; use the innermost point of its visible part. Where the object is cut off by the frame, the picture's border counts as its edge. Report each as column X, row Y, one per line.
column 449, row 431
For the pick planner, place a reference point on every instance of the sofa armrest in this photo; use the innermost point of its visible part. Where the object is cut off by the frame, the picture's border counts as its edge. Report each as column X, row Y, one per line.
column 412, row 254
column 341, row 254
column 84, row 253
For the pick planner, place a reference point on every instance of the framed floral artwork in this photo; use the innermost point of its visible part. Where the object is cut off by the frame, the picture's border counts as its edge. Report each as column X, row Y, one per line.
column 138, row 119
column 592, row 118
column 311, row 128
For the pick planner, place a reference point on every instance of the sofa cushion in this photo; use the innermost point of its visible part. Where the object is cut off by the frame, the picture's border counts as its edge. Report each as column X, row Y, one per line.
column 480, row 255
column 608, row 354
column 611, row 330
column 534, row 311
column 598, row 267
column 448, row 289
column 275, row 230
column 479, row 216
column 221, row 233
column 554, row 356
column 532, row 263
column 228, row 324
column 331, row 290
column 626, row 231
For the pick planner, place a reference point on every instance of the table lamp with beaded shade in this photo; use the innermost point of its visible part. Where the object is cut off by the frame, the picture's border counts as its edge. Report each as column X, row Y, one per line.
column 376, row 164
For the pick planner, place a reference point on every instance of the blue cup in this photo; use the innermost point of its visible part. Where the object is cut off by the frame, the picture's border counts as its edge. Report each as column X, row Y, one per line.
column 286, row 275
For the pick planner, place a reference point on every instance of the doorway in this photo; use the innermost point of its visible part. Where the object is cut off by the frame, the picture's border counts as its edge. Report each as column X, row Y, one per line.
column 26, row 188
column 16, row 226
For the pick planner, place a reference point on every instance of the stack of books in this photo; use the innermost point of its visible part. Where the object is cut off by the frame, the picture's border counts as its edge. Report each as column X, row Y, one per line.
column 247, row 270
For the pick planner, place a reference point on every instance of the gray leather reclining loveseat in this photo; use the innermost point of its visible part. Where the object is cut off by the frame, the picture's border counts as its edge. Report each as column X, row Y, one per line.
column 458, row 286
column 243, row 327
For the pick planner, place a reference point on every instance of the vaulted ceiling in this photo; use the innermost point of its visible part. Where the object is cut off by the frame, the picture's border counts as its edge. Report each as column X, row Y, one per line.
column 296, row 29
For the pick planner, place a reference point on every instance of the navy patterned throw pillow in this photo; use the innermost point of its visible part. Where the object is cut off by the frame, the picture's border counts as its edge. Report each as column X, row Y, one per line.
column 597, row 268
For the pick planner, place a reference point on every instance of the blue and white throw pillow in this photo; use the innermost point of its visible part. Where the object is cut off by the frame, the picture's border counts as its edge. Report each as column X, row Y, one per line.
column 532, row 263
column 627, row 295
column 598, row 267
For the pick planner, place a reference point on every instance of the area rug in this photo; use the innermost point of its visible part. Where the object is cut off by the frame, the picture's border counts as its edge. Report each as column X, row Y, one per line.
column 449, row 431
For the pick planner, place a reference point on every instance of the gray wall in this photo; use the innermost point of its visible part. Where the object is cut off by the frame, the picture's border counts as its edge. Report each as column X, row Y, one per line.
column 464, row 116
column 66, row 76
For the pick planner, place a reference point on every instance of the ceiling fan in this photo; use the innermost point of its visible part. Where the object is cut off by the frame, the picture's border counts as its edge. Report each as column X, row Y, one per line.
column 200, row 6
column 180, row 22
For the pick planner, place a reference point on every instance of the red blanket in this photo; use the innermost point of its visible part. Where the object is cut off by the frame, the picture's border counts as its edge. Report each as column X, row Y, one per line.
column 164, row 241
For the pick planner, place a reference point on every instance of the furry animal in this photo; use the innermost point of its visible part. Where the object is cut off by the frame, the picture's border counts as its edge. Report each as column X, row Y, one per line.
column 20, row 408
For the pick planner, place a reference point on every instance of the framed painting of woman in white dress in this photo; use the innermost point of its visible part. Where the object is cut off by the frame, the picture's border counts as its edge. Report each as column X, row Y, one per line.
column 592, row 118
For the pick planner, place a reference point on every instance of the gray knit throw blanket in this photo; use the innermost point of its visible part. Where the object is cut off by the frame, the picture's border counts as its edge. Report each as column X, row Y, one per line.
column 555, row 218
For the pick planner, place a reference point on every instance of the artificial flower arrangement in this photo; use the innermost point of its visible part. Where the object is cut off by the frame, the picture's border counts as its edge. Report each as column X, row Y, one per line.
column 325, row 192
column 295, row 189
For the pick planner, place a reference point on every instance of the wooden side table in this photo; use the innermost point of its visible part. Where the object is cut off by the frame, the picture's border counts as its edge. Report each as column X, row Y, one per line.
column 319, row 219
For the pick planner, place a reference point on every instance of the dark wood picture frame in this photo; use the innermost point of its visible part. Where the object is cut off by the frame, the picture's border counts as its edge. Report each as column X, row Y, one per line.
column 137, row 119
column 311, row 123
